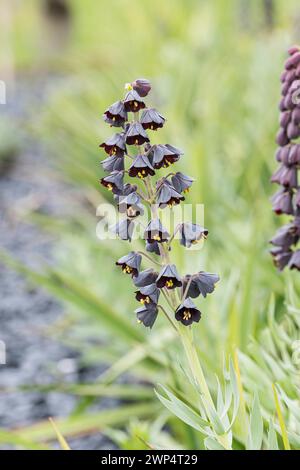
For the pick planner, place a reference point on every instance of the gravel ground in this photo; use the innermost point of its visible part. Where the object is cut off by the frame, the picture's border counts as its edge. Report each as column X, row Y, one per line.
column 25, row 311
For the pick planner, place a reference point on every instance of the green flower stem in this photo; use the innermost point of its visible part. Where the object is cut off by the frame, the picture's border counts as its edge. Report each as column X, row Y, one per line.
column 169, row 318
column 186, row 335
column 148, row 257
column 172, row 237
column 187, row 339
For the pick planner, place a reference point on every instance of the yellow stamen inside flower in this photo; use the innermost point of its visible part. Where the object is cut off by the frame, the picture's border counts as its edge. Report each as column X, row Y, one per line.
column 141, row 174
column 169, row 283
column 146, row 300
column 136, row 104
column 187, row 190
column 186, row 315
column 136, row 141
column 113, row 118
column 157, row 238
column 109, row 187
column 151, row 127
column 128, row 86
column 127, row 270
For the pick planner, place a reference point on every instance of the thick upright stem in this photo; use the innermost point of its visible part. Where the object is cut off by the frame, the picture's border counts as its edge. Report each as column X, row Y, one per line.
column 186, row 336
column 187, row 339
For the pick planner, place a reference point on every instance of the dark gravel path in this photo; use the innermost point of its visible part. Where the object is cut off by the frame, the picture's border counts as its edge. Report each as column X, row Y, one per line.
column 25, row 311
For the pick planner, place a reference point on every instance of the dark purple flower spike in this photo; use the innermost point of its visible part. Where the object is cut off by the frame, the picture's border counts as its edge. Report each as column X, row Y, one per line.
column 168, row 191
column 286, row 200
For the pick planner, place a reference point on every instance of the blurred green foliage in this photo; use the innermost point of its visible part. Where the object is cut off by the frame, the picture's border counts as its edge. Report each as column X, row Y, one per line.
column 214, row 67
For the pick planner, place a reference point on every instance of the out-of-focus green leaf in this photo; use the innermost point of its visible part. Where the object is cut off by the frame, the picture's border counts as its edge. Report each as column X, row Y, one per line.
column 272, row 437
column 255, row 436
column 183, row 412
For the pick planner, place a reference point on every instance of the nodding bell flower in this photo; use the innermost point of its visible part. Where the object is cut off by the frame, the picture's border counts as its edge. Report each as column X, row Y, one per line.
column 113, row 163
column 142, row 86
column 283, row 202
column 294, row 262
column 155, row 232
column 130, row 205
column 133, row 102
column 153, row 248
column 115, row 145
column 114, row 182
column 187, row 312
column 127, row 189
column 191, row 234
column 286, row 236
column 130, row 263
column 167, row 195
column 145, row 278
column 168, row 277
column 147, row 314
column 286, row 200
column 181, row 182
column 124, row 229
column 133, row 199
column 151, row 119
column 287, row 176
column 162, row 156
column 148, row 294
column 116, row 114
column 281, row 257
column 201, row 283
column 141, row 167
column 136, row 135
column 289, row 155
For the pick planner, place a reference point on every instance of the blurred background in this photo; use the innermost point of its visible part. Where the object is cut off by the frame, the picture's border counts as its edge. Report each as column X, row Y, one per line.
column 73, row 348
